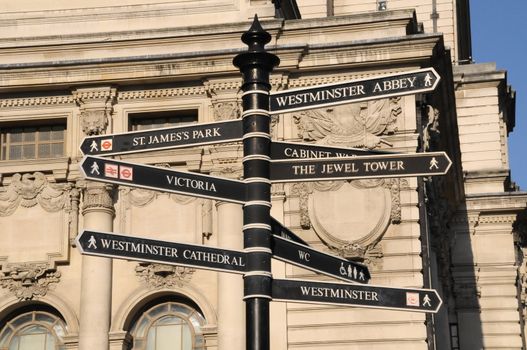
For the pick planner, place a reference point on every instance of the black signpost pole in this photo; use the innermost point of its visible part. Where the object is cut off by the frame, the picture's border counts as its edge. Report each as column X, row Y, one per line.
column 255, row 66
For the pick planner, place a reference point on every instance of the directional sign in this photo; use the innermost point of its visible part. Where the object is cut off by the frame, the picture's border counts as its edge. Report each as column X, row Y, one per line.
column 360, row 295
column 407, row 83
column 166, row 138
column 389, row 165
column 281, row 231
column 293, row 150
column 311, row 259
column 163, row 179
column 117, row 246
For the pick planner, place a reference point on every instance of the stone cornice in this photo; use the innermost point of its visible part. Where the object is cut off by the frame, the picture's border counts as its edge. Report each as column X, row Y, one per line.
column 203, row 65
column 501, row 202
column 36, row 101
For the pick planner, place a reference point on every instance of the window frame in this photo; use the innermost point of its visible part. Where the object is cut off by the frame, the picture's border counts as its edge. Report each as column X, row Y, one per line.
column 149, row 317
column 11, row 329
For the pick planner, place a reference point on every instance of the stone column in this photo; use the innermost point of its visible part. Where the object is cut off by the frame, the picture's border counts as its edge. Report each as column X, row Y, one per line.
column 96, row 279
column 231, row 308
column 231, row 314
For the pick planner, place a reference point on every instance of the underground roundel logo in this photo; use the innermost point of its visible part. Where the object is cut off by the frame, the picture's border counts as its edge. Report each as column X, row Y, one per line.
column 106, row 145
column 412, row 299
column 126, row 173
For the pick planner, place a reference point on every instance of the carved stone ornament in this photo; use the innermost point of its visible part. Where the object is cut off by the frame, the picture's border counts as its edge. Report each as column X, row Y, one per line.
column 431, row 130
column 96, row 106
column 226, row 110
column 28, row 281
column 351, row 125
column 28, row 190
column 163, row 276
column 353, row 228
column 98, row 196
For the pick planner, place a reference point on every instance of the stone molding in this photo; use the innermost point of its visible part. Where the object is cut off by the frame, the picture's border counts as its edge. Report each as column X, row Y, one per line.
column 96, row 107
column 161, row 93
column 28, row 280
column 36, row 101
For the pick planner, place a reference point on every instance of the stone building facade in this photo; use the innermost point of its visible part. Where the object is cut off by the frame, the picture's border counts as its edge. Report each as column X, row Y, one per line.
column 68, row 70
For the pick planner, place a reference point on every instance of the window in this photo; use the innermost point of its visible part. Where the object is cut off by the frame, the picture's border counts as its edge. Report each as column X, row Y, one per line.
column 153, row 120
column 168, row 326
column 36, row 330
column 32, row 141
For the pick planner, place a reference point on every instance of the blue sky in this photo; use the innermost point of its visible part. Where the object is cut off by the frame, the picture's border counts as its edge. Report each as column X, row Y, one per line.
column 499, row 34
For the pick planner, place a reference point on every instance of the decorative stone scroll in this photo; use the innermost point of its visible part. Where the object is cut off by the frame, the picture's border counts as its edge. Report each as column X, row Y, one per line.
column 28, row 190
column 158, row 276
column 351, row 125
column 28, row 281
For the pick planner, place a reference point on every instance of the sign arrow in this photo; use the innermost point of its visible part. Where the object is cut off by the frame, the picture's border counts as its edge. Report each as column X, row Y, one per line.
column 281, row 231
column 399, row 84
column 294, row 150
column 118, row 246
column 163, row 179
column 165, row 138
column 359, row 167
column 311, row 259
column 360, row 295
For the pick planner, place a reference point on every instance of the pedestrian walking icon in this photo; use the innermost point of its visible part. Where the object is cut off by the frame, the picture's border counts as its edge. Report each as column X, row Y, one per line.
column 433, row 163
column 92, row 243
column 426, row 301
column 428, row 79
column 94, row 147
column 95, row 168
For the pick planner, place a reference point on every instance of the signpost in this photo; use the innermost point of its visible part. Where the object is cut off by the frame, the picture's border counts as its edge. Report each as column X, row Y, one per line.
column 162, row 179
column 264, row 162
column 314, row 260
column 293, row 150
column 111, row 245
column 165, row 138
column 360, row 295
column 390, row 165
column 399, row 84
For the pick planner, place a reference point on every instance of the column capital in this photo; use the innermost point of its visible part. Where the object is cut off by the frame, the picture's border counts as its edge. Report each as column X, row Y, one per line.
column 98, row 197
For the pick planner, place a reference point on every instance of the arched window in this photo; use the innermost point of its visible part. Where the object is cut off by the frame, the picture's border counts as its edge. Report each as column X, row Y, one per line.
column 34, row 330
column 168, row 326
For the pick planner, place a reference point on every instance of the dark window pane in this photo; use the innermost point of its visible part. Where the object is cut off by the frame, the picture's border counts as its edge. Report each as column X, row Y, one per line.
column 44, row 150
column 44, row 133
column 15, row 152
column 29, row 134
column 15, row 135
column 28, row 152
column 32, row 142
column 57, row 150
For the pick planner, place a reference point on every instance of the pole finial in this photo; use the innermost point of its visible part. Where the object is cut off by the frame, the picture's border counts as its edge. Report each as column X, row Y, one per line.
column 256, row 37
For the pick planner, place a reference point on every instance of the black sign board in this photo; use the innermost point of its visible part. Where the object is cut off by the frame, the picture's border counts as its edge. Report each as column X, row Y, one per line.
column 117, row 246
column 281, row 231
column 163, row 179
column 166, row 138
column 311, row 259
column 293, row 150
column 389, row 165
column 361, row 295
column 399, row 84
